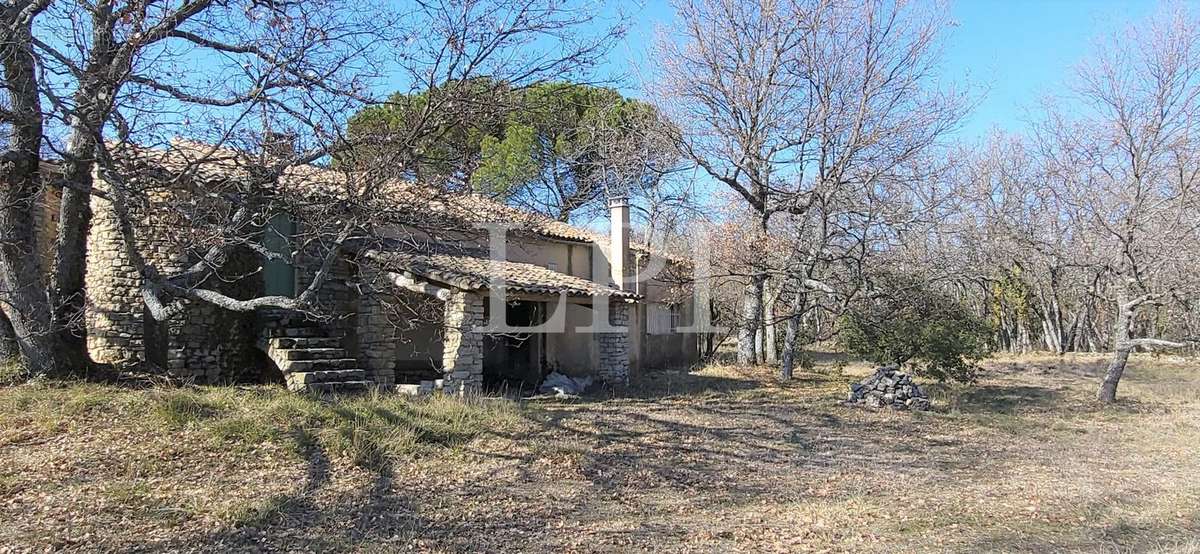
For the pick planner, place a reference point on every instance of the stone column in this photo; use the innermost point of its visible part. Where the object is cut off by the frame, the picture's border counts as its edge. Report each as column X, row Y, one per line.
column 376, row 340
column 462, row 347
column 614, row 347
column 114, row 302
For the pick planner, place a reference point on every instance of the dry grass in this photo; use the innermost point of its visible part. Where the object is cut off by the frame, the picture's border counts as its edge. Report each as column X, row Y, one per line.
column 721, row 460
column 11, row 372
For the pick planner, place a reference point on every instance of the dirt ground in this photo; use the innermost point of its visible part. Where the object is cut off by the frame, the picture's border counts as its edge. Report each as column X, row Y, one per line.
column 718, row 460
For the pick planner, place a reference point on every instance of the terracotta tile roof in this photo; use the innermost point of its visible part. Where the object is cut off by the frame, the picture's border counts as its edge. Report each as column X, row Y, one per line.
column 211, row 164
column 470, row 272
column 482, row 209
column 421, row 203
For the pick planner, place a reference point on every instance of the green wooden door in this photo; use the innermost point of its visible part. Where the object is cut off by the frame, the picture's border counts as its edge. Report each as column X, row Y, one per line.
column 279, row 276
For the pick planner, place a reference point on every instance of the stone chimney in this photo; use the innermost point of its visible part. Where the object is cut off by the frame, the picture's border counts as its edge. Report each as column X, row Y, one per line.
column 618, row 240
column 279, row 146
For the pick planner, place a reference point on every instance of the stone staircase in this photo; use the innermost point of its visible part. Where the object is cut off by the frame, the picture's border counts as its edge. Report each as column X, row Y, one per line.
column 313, row 360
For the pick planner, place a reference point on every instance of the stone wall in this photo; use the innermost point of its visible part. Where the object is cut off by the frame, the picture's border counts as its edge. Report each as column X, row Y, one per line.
column 208, row 344
column 614, row 347
column 338, row 297
column 462, row 347
column 203, row 343
column 376, row 336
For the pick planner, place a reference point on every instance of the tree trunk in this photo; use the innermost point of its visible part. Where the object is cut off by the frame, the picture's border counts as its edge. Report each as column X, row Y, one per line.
column 759, row 343
column 98, row 87
column 70, row 260
column 790, row 336
column 1052, row 334
column 770, row 353
column 22, row 287
column 1116, row 368
column 752, row 300
column 1023, row 340
column 1121, row 348
column 1055, row 315
column 1072, row 341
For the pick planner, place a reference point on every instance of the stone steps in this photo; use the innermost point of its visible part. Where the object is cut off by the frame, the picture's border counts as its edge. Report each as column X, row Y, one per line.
column 298, row 332
column 313, row 361
column 292, row 366
column 305, row 342
column 331, row 376
column 304, row 353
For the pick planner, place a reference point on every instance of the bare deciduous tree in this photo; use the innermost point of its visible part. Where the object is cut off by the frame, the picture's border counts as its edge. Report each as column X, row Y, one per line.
column 789, row 103
column 725, row 83
column 1128, row 170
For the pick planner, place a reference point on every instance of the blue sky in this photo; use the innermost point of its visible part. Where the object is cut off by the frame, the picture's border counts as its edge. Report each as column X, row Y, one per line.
column 1023, row 50
column 1014, row 51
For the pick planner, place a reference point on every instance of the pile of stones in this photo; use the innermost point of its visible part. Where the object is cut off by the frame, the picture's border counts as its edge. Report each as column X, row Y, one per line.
column 888, row 387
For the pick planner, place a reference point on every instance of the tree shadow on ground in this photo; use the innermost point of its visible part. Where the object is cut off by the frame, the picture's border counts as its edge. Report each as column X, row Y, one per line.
column 658, row 384
column 1056, row 368
column 1064, row 388
column 1115, row 524
column 722, row 452
column 1003, row 399
column 615, row 458
column 684, row 446
column 654, row 385
column 315, row 517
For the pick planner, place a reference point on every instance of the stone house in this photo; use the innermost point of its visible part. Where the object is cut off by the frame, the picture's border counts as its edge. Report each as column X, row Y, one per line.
column 396, row 312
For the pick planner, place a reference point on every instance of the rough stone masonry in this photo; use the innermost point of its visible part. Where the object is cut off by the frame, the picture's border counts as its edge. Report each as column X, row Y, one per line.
column 888, row 387
column 614, row 347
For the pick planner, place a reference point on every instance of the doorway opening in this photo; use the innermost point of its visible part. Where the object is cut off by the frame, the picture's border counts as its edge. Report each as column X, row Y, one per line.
column 515, row 360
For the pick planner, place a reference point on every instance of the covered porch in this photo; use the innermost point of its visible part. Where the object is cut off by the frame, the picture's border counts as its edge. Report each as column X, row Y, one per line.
column 547, row 323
